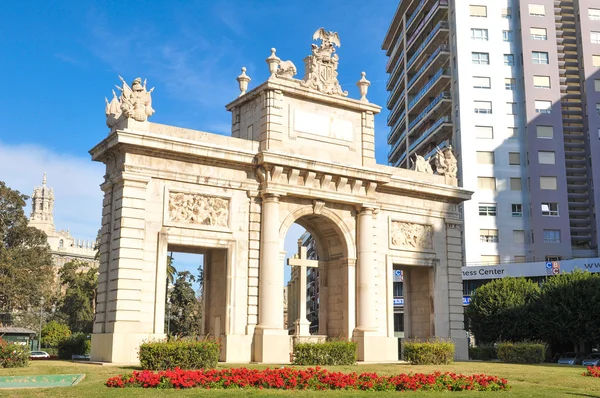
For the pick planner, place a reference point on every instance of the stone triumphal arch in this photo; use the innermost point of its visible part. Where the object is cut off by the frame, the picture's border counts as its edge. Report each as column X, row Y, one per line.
column 302, row 152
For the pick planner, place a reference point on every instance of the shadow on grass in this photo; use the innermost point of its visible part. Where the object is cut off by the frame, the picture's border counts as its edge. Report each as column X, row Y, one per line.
column 582, row 395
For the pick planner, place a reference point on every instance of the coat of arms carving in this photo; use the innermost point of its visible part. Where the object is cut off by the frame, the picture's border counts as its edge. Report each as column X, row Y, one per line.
column 321, row 65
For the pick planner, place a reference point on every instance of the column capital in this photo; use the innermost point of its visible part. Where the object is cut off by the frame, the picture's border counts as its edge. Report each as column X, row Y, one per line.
column 367, row 209
column 270, row 197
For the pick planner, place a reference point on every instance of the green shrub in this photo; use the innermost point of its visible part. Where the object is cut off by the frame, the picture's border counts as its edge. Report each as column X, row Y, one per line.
column 76, row 344
column 185, row 354
column 53, row 333
column 13, row 355
column 327, row 353
column 430, row 352
column 483, row 352
column 522, row 352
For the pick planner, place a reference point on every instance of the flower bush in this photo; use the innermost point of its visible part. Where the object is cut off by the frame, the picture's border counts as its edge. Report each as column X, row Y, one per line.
column 592, row 371
column 13, row 355
column 306, row 379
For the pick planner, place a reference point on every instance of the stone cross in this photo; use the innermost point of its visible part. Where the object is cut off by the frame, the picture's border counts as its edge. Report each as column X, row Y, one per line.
column 300, row 260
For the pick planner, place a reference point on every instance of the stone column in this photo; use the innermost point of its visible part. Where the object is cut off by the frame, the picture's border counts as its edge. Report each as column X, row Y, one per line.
column 366, row 271
column 270, row 305
column 271, row 340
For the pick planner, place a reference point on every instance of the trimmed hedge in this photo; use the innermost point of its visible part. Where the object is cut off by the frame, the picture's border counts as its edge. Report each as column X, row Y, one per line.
column 183, row 354
column 76, row 344
column 326, row 353
column 430, row 352
column 522, row 352
column 483, row 352
column 13, row 355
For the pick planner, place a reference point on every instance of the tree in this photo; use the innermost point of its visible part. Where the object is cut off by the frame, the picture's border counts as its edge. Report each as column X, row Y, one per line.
column 502, row 310
column 568, row 310
column 171, row 270
column 183, row 298
column 25, row 259
column 78, row 303
column 53, row 333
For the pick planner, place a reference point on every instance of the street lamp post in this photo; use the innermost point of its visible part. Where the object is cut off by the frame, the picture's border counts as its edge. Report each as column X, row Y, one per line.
column 41, row 319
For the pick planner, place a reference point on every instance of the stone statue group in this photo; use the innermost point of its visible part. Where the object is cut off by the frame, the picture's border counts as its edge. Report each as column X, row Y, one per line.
column 444, row 161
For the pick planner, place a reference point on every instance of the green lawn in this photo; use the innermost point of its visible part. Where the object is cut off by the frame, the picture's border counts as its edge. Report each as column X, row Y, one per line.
column 526, row 381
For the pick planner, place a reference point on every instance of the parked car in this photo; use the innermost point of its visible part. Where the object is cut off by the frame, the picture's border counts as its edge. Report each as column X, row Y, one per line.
column 592, row 360
column 39, row 354
column 569, row 358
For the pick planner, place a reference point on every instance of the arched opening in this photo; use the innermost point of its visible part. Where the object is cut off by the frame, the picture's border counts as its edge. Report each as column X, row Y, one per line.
column 61, row 243
column 317, row 247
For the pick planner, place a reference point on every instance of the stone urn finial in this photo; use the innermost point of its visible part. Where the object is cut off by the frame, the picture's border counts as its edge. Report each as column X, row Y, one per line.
column 363, row 86
column 273, row 61
column 243, row 80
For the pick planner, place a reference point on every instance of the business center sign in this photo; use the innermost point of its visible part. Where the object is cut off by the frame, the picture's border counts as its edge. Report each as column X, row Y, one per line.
column 542, row 268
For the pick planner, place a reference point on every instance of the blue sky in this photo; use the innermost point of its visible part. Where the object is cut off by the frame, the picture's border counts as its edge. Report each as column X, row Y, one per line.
column 61, row 58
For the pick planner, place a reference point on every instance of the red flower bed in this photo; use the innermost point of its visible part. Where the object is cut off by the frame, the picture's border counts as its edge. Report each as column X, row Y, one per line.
column 307, row 379
column 592, row 371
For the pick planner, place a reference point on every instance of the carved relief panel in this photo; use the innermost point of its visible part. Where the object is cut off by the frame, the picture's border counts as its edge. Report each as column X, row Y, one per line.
column 411, row 236
column 197, row 210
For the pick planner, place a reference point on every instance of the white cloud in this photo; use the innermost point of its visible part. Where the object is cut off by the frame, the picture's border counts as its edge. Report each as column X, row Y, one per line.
column 76, row 180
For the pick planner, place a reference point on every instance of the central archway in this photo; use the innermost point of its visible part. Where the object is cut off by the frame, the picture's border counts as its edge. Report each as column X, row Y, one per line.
column 336, row 255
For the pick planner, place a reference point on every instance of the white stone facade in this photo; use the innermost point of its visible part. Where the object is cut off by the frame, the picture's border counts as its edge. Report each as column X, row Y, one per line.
column 301, row 153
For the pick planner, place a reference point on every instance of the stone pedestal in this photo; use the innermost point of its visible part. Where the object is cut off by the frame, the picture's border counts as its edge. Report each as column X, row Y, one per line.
column 272, row 346
column 116, row 347
column 373, row 348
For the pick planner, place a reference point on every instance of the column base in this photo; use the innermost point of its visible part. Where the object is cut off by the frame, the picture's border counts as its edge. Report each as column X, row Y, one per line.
column 236, row 348
column 375, row 348
column 461, row 348
column 302, row 328
column 272, row 346
column 119, row 348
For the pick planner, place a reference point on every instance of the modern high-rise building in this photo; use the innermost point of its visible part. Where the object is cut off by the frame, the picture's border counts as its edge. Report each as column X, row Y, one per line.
column 514, row 87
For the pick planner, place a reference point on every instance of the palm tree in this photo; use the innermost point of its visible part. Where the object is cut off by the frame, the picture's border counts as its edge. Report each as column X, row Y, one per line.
column 171, row 271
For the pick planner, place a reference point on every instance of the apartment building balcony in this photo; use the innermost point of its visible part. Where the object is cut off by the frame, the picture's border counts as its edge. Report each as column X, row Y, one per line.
column 438, row 105
column 394, row 94
column 580, row 221
column 438, row 36
column 431, row 16
column 397, row 151
column 438, row 82
column 442, row 126
column 397, row 110
column 578, row 212
column 394, row 75
column 577, row 195
column 438, row 59
column 415, row 13
column 396, row 129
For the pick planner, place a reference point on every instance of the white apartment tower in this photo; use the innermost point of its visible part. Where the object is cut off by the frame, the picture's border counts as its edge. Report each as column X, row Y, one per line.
column 514, row 87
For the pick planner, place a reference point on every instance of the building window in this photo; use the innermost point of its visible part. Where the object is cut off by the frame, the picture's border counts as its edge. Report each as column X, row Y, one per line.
column 484, row 107
column 552, row 236
column 539, row 57
column 546, row 157
column 517, row 210
column 507, row 13
column 478, row 11
column 537, row 10
column 518, row 236
column 597, row 85
column 515, row 184
column 490, row 260
column 553, row 258
column 543, row 106
column 541, row 81
column 480, row 58
column 513, row 133
column 509, row 60
column 486, row 183
column 61, row 243
column 598, row 108
column 520, row 259
column 488, row 235
column 596, row 61
column 511, row 108
column 484, row 132
column 485, row 157
column 399, row 322
column 550, row 209
column 594, row 14
column 546, row 132
column 538, row 34
column 549, row 183
column 481, row 82
column 509, row 83
column 487, row 209
column 479, row 34
column 514, row 158
column 595, row 37
column 507, row 35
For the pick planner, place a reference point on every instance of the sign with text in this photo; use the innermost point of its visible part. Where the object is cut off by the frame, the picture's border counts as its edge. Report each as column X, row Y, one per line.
column 542, row 268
